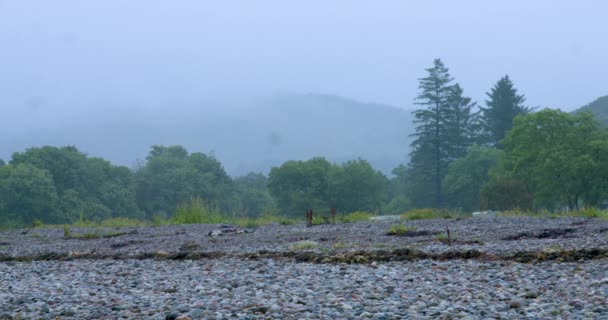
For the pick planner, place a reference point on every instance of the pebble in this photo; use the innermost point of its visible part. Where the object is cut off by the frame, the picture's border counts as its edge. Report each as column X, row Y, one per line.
column 246, row 289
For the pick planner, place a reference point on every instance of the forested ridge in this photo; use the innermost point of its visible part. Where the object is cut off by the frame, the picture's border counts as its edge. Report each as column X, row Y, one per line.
column 498, row 154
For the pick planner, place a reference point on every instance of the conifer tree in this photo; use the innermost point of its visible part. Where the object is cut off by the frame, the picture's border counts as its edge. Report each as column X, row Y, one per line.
column 429, row 158
column 445, row 129
column 503, row 106
column 461, row 124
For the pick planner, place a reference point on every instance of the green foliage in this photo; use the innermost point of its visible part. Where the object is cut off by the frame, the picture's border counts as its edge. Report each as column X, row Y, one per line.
column 599, row 109
column 356, row 186
column 426, row 213
column 466, row 177
column 255, row 199
column 588, row 213
column 171, row 176
column 355, row 216
column 66, row 231
column 443, row 238
column 445, row 127
column 303, row 245
column 460, row 123
column 300, row 185
column 400, row 229
column 111, row 223
column 318, row 184
column 505, row 193
column 397, row 205
column 26, row 193
column 83, row 185
column 37, row 223
column 561, row 158
column 196, row 211
column 503, row 106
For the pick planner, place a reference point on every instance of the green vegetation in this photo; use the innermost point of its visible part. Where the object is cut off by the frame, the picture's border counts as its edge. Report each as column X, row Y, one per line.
column 444, row 131
column 507, row 157
column 339, row 245
column 599, row 109
column 588, row 213
column 196, row 211
column 427, row 213
column 443, row 238
column 400, row 229
column 317, row 183
column 303, row 245
column 554, row 159
column 502, row 107
column 355, row 216
column 582, row 213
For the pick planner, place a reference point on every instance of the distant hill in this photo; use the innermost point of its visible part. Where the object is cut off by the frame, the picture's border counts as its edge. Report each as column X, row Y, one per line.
column 251, row 136
column 599, row 108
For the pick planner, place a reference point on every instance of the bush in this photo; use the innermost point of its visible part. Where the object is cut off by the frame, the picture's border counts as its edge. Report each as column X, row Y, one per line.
column 355, row 216
column 196, row 211
column 426, row 213
column 303, row 245
column 400, row 229
column 37, row 223
column 397, row 205
column 589, row 213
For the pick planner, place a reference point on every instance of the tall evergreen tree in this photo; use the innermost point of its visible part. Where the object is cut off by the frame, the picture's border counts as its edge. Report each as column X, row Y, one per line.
column 503, row 105
column 461, row 124
column 429, row 156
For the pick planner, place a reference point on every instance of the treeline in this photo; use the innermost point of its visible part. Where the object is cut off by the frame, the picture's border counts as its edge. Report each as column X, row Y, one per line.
column 64, row 185
column 501, row 155
column 498, row 156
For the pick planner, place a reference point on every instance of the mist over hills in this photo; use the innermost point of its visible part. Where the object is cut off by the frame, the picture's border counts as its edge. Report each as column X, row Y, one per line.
column 245, row 135
column 599, row 108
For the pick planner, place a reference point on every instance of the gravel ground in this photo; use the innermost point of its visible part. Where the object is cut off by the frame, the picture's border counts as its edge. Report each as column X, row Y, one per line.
column 489, row 235
column 269, row 289
column 132, row 275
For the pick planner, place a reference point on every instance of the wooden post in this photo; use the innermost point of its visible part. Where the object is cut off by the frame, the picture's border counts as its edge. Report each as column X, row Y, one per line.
column 447, row 228
column 308, row 223
column 311, row 218
column 333, row 215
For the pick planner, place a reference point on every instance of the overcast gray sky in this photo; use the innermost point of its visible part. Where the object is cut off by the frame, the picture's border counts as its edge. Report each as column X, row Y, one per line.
column 154, row 53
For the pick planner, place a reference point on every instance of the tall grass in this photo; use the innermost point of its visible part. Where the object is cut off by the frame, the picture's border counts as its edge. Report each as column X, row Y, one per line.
column 429, row 213
column 196, row 211
column 355, row 216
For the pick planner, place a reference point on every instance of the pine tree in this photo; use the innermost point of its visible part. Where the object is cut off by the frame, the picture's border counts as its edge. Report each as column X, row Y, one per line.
column 429, row 158
column 503, row 105
column 460, row 123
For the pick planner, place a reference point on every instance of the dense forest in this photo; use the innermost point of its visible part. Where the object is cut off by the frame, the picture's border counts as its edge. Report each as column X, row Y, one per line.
column 499, row 155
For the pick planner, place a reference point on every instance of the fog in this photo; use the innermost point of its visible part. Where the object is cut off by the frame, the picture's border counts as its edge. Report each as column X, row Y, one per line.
column 114, row 77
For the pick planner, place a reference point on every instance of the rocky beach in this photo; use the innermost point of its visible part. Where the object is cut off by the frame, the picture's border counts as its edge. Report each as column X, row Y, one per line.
column 488, row 268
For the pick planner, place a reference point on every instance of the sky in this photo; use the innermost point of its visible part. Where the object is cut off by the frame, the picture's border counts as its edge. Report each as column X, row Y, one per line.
column 75, row 57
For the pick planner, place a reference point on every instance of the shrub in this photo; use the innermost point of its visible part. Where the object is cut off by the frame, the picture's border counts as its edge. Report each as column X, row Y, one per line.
column 355, row 216
column 397, row 205
column 303, row 245
column 37, row 223
column 442, row 237
column 400, row 229
column 589, row 213
column 66, row 231
column 196, row 211
column 426, row 213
